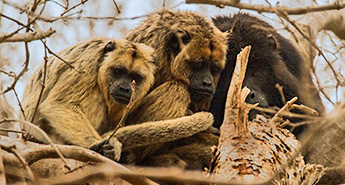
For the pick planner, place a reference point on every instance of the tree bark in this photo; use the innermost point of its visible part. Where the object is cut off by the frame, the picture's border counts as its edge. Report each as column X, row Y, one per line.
column 259, row 151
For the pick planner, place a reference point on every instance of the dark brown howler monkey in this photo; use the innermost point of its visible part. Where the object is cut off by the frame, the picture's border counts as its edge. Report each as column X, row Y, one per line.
column 78, row 105
column 273, row 59
column 190, row 54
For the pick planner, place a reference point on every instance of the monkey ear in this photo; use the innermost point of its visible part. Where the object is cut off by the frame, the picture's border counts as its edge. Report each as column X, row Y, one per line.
column 109, row 47
column 272, row 41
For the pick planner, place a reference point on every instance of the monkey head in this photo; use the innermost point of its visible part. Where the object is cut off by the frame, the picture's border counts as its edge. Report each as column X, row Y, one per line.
column 272, row 60
column 267, row 65
column 197, row 55
column 123, row 63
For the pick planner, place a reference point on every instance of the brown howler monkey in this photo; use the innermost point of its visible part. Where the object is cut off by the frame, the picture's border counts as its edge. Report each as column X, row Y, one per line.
column 78, row 105
column 190, row 54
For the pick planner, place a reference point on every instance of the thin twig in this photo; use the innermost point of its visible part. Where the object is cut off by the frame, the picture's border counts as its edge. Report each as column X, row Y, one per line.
column 305, row 109
column 25, row 68
column 117, row 7
column 14, row 131
column 281, row 92
column 285, row 113
column 75, row 6
column 286, row 107
column 19, row 103
column 125, row 114
column 42, row 84
column 293, row 23
column 10, row 74
column 54, row 54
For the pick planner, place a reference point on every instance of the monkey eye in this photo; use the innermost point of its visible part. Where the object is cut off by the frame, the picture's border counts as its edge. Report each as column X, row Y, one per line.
column 186, row 39
column 119, row 71
column 109, row 47
column 137, row 77
column 215, row 69
column 197, row 65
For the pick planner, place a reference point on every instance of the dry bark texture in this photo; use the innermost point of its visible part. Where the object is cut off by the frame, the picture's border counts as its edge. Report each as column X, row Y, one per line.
column 257, row 151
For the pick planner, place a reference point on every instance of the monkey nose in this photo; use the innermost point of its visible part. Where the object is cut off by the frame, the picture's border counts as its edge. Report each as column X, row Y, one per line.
column 122, row 94
column 207, row 83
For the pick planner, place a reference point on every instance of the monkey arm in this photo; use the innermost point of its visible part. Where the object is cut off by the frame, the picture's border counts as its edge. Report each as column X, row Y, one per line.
column 163, row 131
column 168, row 101
column 161, row 117
column 69, row 122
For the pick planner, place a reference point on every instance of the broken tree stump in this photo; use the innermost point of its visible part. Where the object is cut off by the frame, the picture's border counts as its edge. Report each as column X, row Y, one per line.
column 259, row 151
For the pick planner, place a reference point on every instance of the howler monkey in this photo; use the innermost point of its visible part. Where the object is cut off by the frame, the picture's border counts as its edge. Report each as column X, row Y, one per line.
column 273, row 60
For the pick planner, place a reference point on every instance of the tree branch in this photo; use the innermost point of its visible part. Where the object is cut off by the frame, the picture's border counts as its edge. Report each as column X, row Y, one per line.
column 263, row 8
column 27, row 37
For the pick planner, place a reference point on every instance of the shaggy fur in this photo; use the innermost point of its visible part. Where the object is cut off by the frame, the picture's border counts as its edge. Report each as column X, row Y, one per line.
column 184, row 42
column 76, row 106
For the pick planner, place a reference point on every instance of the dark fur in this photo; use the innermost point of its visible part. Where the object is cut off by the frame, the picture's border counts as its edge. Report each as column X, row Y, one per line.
column 273, row 59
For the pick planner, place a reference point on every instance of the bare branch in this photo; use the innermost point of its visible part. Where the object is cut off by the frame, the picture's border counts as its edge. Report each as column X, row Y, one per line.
column 25, row 68
column 286, row 107
column 43, row 83
column 20, row 104
column 78, row 154
column 73, row 7
column 27, row 37
column 40, row 133
column 12, row 149
column 262, row 8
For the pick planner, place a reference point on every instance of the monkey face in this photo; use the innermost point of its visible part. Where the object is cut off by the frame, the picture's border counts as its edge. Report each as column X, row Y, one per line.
column 203, row 75
column 120, row 88
column 125, row 62
column 262, row 91
column 199, row 60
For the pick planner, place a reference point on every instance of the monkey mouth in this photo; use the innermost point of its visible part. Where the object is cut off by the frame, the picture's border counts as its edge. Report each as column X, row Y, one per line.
column 121, row 99
column 201, row 93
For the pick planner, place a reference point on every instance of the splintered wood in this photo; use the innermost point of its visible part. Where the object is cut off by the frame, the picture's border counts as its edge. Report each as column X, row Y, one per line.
column 256, row 152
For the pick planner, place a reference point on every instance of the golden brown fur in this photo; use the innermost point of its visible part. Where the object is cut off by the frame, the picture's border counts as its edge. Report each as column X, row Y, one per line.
column 76, row 107
column 198, row 40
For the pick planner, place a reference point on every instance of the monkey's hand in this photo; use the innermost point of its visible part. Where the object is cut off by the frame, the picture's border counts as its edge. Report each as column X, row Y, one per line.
column 111, row 150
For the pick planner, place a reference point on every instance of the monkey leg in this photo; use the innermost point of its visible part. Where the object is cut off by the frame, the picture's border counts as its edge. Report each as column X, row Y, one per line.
column 165, row 160
column 197, row 156
column 70, row 125
column 196, row 150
